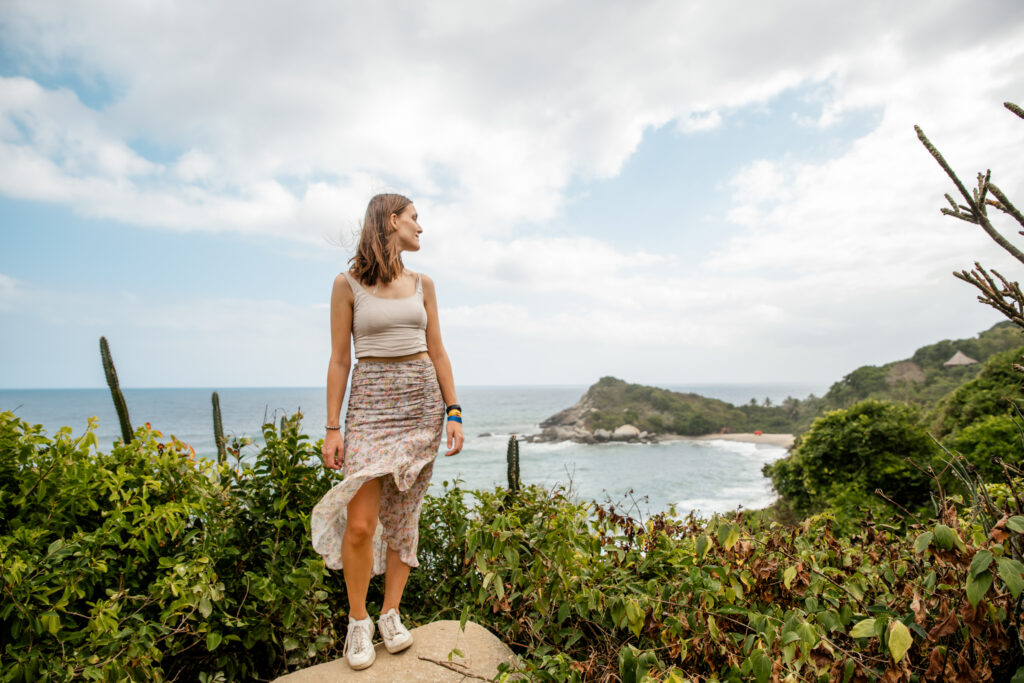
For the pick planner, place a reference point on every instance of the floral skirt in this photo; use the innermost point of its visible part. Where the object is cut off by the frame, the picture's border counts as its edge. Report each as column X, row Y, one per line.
column 392, row 430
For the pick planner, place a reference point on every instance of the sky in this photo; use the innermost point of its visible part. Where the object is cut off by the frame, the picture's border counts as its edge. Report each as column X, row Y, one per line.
column 667, row 192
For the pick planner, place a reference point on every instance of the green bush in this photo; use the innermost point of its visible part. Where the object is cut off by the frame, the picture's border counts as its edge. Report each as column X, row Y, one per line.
column 991, row 437
column 141, row 564
column 989, row 393
column 848, row 454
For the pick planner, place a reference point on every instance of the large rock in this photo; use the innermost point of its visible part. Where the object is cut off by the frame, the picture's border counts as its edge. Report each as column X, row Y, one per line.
column 425, row 661
column 558, row 433
column 626, row 433
column 602, row 435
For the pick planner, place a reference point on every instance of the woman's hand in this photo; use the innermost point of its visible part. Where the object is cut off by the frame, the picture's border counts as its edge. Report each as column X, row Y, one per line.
column 454, row 430
column 333, row 449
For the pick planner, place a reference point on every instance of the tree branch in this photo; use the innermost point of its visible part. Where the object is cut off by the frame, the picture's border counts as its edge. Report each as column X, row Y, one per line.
column 977, row 212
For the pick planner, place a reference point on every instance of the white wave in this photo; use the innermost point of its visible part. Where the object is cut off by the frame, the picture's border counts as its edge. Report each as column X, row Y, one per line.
column 762, row 452
column 545, row 446
column 741, row 447
column 750, row 497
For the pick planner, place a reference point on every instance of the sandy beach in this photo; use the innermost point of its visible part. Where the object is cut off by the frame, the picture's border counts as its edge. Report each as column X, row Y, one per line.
column 781, row 440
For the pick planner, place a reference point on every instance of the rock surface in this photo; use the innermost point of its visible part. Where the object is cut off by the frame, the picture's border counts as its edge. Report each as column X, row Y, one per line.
column 426, row 660
column 626, row 433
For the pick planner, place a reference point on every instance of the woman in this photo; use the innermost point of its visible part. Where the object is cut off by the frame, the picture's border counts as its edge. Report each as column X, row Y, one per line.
column 402, row 389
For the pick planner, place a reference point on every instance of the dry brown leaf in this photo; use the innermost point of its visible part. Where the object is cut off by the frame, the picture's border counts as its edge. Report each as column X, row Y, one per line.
column 936, row 661
column 920, row 614
column 999, row 532
column 944, row 627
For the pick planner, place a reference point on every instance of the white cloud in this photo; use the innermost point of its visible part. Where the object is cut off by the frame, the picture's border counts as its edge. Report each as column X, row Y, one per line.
column 264, row 103
column 283, row 120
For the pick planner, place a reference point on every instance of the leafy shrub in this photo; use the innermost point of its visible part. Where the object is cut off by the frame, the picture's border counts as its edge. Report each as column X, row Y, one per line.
column 986, row 440
column 141, row 564
column 848, row 454
column 584, row 593
column 987, row 394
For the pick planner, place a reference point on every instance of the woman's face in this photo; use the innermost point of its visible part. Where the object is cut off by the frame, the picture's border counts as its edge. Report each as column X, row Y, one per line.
column 407, row 229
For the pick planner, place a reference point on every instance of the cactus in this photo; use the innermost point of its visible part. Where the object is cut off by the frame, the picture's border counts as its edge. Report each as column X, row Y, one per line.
column 513, row 464
column 218, row 430
column 115, row 391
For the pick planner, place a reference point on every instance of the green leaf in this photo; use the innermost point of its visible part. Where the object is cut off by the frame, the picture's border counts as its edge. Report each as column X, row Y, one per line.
column 863, row 629
column 1016, row 523
column 712, row 627
column 635, row 616
column 923, row 541
column 788, row 576
column 761, row 665
column 563, row 612
column 702, row 546
column 627, row 664
column 944, row 537
column 900, row 640
column 977, row 586
column 732, row 538
column 290, row 644
column 213, row 640
column 51, row 622
column 724, row 530
column 205, row 608
column 1010, row 572
column 1018, row 677
column 982, row 559
column 455, row 652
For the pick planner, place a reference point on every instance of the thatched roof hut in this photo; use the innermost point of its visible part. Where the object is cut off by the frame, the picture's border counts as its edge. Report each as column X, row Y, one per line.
column 959, row 358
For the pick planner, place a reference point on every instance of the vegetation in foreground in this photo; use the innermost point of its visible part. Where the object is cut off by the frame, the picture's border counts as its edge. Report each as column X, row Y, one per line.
column 140, row 564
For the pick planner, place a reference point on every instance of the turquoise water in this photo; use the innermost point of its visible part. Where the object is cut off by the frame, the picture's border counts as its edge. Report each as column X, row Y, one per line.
column 708, row 476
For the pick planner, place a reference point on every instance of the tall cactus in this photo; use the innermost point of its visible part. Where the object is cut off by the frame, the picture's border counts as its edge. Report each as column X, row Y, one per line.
column 115, row 391
column 512, row 456
column 218, row 430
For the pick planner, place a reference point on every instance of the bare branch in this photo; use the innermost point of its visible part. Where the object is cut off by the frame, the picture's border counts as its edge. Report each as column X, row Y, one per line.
column 1005, row 205
column 977, row 212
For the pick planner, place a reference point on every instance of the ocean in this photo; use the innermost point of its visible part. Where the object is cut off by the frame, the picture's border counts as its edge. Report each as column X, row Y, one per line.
column 702, row 476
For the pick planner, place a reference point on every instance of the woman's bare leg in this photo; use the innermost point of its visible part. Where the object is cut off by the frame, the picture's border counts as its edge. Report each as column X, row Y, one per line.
column 395, row 576
column 357, row 546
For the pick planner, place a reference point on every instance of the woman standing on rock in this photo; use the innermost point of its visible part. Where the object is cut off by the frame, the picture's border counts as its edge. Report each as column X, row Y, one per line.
column 402, row 390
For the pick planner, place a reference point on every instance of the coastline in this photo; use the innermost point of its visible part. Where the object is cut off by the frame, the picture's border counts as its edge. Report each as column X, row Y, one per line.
column 780, row 440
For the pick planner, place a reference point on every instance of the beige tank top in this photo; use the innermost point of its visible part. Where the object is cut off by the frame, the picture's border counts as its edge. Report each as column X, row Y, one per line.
column 385, row 328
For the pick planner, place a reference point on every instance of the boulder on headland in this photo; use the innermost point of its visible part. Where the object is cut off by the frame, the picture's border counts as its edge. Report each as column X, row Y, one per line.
column 626, row 433
column 602, row 435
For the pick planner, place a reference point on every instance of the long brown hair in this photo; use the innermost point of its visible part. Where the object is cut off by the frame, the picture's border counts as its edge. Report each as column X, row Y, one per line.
column 378, row 259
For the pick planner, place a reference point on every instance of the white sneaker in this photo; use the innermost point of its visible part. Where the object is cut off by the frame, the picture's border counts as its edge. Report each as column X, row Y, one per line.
column 359, row 643
column 396, row 636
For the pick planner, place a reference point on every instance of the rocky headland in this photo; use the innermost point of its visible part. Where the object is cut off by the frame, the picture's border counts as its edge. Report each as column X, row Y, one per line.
column 614, row 410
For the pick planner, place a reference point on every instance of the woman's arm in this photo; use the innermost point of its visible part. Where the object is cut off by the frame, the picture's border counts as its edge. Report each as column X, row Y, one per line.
column 337, row 370
column 442, row 365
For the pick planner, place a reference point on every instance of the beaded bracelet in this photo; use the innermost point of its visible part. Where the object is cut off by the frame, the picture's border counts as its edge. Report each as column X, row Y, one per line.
column 454, row 413
column 330, row 427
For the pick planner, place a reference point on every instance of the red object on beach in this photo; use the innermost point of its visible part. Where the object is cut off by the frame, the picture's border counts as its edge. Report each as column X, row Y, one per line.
column 758, row 432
